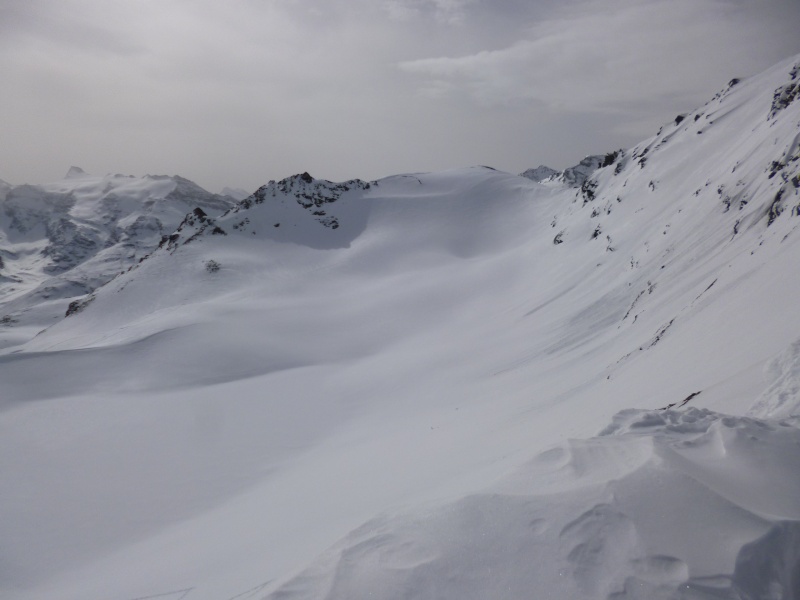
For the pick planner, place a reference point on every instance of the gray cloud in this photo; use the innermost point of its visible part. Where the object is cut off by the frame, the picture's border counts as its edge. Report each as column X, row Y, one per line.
column 60, row 25
column 447, row 11
column 606, row 57
column 239, row 92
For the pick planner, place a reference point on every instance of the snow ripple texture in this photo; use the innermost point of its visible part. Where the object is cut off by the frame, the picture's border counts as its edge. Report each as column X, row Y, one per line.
column 612, row 517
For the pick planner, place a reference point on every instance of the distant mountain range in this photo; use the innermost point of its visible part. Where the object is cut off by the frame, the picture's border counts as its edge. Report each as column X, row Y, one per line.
column 62, row 240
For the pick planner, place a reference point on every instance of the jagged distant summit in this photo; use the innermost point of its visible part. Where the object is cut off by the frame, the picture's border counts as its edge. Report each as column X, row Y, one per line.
column 295, row 209
column 74, row 172
column 572, row 176
column 540, row 173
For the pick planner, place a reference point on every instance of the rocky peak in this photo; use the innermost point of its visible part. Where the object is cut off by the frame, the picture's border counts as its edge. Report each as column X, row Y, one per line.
column 309, row 193
column 75, row 172
column 540, row 173
column 577, row 175
column 787, row 93
column 573, row 176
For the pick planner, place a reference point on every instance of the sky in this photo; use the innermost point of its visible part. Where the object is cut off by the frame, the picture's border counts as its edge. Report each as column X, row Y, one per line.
column 239, row 92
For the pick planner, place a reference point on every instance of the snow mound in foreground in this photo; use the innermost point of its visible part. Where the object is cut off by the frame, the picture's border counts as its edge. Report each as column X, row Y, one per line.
column 662, row 504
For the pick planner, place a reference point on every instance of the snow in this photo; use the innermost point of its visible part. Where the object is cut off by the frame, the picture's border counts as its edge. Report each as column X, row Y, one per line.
column 435, row 385
column 566, row 526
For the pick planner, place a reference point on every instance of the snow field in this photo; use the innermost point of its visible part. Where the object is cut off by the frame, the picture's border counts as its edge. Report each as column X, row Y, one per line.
column 433, row 398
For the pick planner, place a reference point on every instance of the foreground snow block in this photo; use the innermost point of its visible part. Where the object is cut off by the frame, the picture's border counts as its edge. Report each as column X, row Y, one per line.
column 663, row 504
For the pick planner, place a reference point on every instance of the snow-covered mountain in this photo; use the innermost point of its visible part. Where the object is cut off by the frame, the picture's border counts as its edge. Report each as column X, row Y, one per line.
column 467, row 384
column 540, row 173
column 62, row 240
column 572, row 176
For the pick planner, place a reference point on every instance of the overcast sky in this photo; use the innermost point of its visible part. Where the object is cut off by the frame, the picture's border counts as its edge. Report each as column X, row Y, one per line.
column 237, row 92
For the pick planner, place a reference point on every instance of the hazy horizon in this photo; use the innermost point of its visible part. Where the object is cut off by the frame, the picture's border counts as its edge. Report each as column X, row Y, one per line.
column 240, row 93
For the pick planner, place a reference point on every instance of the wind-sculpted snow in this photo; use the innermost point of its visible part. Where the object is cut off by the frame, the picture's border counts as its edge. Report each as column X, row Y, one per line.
column 662, row 505
column 394, row 389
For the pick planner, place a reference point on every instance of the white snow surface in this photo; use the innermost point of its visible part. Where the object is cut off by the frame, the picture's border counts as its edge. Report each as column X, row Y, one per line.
column 449, row 385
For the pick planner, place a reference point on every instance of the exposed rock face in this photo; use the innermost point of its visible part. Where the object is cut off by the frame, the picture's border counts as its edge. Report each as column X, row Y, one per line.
column 787, row 93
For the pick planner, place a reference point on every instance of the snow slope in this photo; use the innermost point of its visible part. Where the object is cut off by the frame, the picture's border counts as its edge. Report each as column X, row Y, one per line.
column 442, row 385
